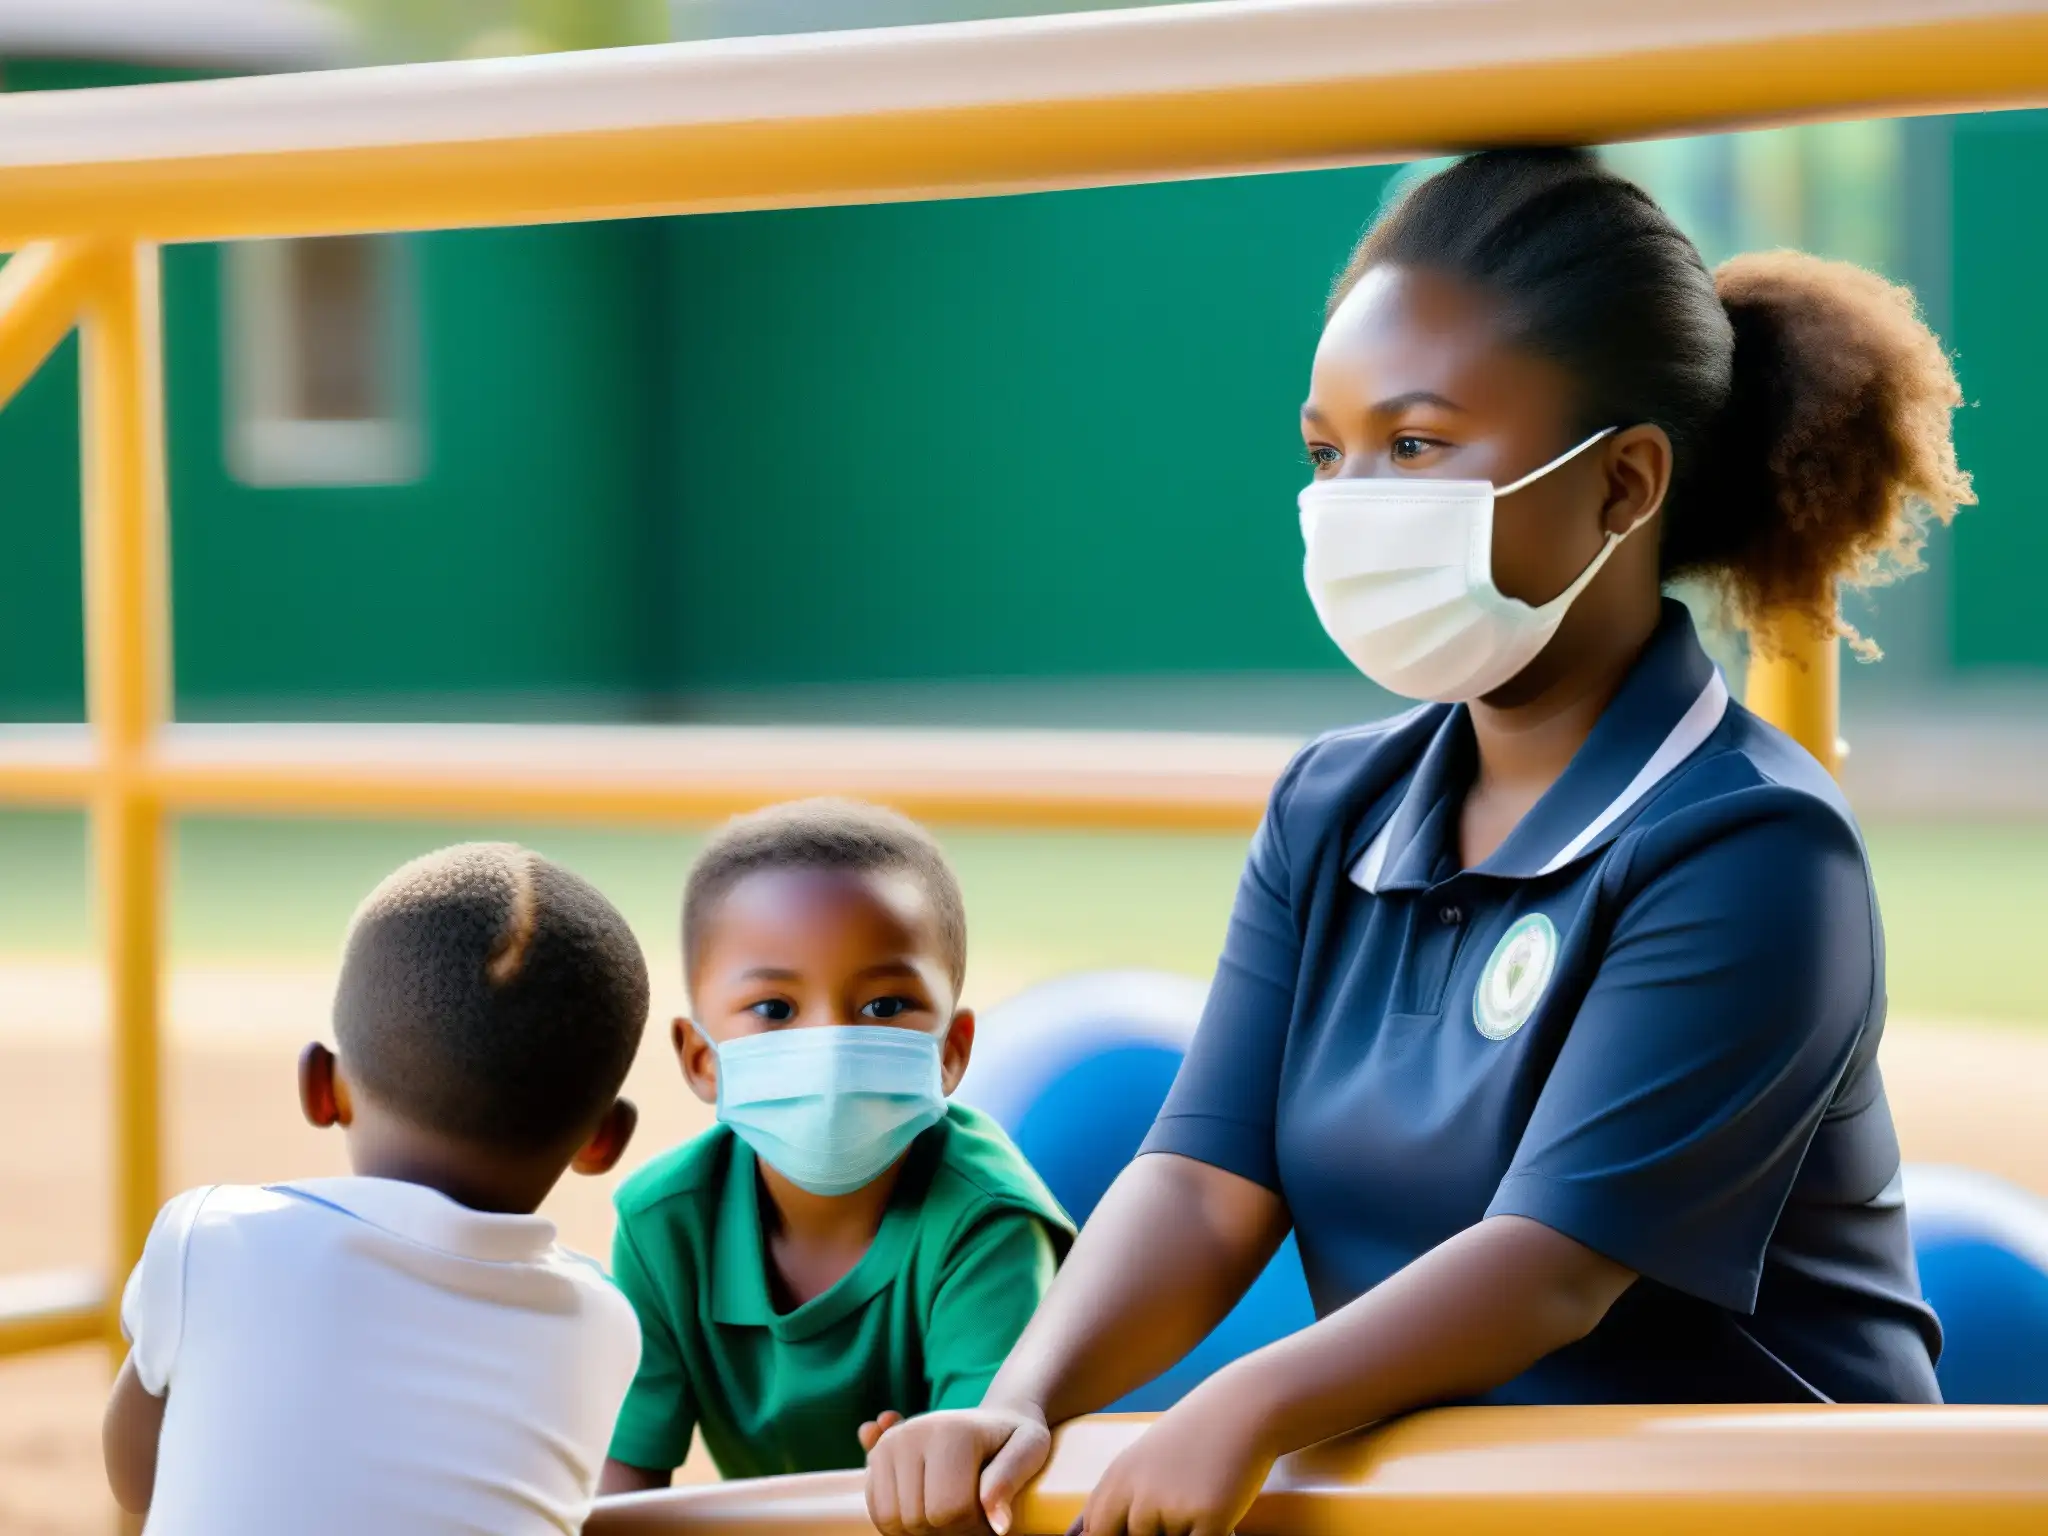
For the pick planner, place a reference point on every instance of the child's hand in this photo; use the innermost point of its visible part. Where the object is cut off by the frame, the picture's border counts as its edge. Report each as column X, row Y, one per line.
column 952, row 1474
column 877, row 1427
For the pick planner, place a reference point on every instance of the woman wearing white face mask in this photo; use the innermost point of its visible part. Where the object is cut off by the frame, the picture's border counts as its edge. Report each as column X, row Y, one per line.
column 1548, row 1014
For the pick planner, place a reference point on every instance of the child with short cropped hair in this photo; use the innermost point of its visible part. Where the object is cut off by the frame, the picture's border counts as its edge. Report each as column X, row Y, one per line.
column 407, row 1349
column 844, row 1246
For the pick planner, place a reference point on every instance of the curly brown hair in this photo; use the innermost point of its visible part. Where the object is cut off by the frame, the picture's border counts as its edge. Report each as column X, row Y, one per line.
column 1807, row 404
column 1839, row 422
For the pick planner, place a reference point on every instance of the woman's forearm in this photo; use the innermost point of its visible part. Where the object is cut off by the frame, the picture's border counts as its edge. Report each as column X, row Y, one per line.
column 1461, row 1320
column 1167, row 1253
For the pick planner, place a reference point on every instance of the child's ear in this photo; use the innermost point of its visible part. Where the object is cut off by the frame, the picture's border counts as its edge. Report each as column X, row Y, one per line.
column 607, row 1143
column 698, row 1061
column 957, row 1050
column 323, row 1095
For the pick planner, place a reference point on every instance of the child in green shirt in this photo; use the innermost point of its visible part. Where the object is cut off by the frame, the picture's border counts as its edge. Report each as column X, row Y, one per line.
column 843, row 1244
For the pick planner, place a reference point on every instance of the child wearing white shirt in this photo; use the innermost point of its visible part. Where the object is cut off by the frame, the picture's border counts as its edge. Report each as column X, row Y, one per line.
column 407, row 1350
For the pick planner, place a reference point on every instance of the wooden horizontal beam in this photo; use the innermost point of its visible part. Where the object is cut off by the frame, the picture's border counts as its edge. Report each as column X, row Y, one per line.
column 1166, row 781
column 1820, row 1471
column 971, row 108
column 51, row 1310
column 47, row 765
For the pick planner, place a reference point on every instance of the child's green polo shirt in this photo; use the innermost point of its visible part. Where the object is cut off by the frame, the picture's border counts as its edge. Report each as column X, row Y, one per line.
column 965, row 1251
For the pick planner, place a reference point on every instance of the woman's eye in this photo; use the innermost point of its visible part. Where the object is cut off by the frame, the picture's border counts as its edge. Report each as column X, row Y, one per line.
column 888, row 1007
column 1322, row 456
column 1407, row 448
column 776, row 1010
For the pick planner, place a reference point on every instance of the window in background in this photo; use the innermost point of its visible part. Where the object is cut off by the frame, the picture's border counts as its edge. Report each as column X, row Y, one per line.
column 321, row 362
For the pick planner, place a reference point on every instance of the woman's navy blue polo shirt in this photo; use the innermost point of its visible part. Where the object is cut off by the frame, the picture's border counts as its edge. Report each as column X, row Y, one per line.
column 1649, row 1021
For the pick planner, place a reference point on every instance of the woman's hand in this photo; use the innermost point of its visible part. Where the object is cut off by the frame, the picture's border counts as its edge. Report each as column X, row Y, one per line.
column 1193, row 1473
column 951, row 1474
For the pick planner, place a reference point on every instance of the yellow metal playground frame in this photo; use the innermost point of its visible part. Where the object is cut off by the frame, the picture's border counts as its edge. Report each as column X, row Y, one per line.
column 91, row 182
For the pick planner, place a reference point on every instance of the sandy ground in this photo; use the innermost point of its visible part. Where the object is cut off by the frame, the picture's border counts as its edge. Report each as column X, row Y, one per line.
column 1962, row 1094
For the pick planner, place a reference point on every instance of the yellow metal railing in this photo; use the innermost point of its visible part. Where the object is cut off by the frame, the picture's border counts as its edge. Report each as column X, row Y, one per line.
column 1484, row 1471
column 91, row 180
column 976, row 108
column 109, row 290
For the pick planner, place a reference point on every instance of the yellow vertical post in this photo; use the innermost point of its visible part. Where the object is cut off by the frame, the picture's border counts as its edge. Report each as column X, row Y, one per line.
column 1797, row 688
column 127, row 676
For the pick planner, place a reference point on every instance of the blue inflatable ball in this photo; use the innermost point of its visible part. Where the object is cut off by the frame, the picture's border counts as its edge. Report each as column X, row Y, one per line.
column 1075, row 1070
column 1982, row 1246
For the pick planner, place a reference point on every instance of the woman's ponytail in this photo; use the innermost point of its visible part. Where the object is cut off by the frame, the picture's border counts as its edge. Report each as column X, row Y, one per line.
column 1832, row 451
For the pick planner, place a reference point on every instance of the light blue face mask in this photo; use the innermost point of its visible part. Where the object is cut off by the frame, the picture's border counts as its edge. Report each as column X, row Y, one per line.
column 830, row 1107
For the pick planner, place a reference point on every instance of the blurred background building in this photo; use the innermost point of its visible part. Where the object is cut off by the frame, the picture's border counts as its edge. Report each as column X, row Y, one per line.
column 1012, row 460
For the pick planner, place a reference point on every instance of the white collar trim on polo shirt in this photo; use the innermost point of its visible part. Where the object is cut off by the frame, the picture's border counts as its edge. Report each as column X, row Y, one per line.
column 1365, row 874
column 432, row 1220
column 1686, row 737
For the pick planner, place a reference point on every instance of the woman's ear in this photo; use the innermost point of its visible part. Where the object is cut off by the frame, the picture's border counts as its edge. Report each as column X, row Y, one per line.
column 957, row 1050
column 323, row 1094
column 1638, row 478
column 607, row 1144
column 697, row 1059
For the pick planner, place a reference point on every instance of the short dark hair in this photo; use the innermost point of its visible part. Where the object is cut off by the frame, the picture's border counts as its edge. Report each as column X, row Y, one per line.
column 825, row 834
column 492, row 996
column 1807, row 405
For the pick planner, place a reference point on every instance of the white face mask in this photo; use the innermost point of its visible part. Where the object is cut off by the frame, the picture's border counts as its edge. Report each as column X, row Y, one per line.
column 1400, row 570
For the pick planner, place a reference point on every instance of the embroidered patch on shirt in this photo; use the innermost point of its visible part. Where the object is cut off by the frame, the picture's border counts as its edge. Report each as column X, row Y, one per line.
column 1516, row 975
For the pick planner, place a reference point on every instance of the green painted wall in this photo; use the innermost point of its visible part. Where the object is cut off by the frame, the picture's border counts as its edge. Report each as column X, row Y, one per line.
column 768, row 448
column 42, row 654
column 523, row 570
column 2000, row 257
column 1002, row 437
column 516, row 567
column 515, row 574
